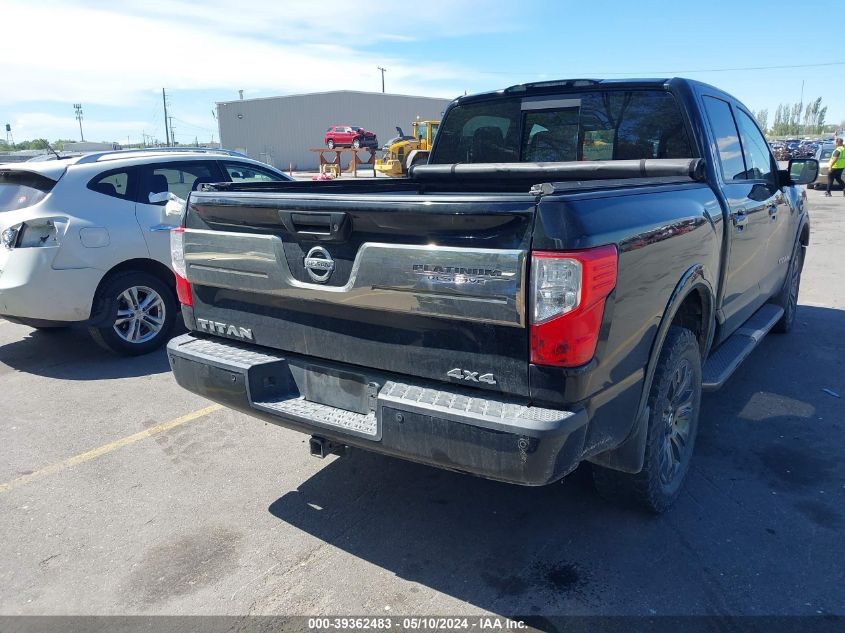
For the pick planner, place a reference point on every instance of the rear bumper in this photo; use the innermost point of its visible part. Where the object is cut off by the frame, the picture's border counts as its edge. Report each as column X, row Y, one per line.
column 31, row 288
column 459, row 430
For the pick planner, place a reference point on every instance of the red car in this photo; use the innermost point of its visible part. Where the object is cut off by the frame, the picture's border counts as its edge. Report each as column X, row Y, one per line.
column 349, row 136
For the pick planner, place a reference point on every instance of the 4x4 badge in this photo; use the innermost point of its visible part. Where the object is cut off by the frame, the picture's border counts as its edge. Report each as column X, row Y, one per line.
column 319, row 264
column 471, row 376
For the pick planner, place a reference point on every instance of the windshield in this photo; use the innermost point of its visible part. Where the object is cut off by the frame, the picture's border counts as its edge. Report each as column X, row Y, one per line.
column 595, row 125
column 21, row 189
column 825, row 154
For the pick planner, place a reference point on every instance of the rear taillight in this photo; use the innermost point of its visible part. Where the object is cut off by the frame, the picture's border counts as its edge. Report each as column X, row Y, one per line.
column 567, row 303
column 177, row 257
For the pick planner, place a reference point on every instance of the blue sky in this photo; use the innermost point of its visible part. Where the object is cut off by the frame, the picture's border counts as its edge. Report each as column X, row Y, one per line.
column 114, row 58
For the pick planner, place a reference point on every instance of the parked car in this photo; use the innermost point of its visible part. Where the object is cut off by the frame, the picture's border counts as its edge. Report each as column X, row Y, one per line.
column 823, row 154
column 529, row 299
column 349, row 136
column 781, row 151
column 83, row 244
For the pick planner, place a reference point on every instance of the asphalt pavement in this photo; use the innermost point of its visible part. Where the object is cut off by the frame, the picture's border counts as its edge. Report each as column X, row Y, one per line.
column 121, row 493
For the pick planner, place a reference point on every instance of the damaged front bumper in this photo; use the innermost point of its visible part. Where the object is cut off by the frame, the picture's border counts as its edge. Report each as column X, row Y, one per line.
column 463, row 430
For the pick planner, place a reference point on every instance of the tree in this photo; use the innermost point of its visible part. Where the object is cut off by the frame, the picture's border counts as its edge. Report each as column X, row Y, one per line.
column 762, row 117
column 794, row 119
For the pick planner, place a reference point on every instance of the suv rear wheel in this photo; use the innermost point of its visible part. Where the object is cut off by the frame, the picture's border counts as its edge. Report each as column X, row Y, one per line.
column 139, row 312
column 674, row 402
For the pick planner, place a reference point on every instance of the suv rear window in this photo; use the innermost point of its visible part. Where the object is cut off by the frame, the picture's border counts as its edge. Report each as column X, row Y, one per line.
column 21, row 189
column 593, row 125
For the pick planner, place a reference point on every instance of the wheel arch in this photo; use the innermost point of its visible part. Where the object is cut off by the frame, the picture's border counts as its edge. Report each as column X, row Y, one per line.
column 150, row 266
column 691, row 305
column 804, row 231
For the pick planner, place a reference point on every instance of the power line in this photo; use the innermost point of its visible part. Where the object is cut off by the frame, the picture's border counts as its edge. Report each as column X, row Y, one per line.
column 643, row 73
column 198, row 127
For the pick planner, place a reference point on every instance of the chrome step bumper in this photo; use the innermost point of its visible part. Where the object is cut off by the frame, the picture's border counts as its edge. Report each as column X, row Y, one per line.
column 478, row 432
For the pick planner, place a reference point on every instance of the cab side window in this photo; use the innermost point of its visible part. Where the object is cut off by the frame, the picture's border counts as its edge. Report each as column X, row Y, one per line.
column 117, row 184
column 724, row 129
column 244, row 172
column 758, row 158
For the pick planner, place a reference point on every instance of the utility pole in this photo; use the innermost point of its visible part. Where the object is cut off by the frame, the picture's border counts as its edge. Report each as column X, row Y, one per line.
column 172, row 134
column 78, row 108
column 383, row 70
column 166, row 129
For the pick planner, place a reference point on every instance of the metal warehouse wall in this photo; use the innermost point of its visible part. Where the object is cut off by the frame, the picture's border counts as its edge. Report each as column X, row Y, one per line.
column 280, row 130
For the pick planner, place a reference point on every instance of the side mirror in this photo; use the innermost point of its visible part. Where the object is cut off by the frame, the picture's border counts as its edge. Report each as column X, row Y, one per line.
column 801, row 171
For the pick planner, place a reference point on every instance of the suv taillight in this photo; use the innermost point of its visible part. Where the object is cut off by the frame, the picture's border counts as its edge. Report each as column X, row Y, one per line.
column 177, row 257
column 568, row 292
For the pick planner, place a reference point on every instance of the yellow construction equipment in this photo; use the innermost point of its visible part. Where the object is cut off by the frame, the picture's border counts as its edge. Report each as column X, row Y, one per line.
column 404, row 152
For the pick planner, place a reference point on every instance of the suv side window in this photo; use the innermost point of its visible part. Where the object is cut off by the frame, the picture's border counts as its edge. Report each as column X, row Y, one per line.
column 727, row 138
column 116, row 183
column 245, row 172
column 757, row 156
column 178, row 177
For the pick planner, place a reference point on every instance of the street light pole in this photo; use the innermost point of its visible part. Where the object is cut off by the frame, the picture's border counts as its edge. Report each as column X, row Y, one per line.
column 78, row 109
column 382, row 77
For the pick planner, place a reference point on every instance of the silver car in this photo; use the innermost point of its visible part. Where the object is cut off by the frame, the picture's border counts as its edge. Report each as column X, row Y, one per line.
column 823, row 156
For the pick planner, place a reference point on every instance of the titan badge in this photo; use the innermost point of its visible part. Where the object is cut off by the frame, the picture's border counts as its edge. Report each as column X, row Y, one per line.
column 215, row 327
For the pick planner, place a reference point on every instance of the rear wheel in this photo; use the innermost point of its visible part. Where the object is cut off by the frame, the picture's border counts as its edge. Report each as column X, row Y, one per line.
column 356, row 143
column 139, row 312
column 330, row 144
column 674, row 402
column 788, row 296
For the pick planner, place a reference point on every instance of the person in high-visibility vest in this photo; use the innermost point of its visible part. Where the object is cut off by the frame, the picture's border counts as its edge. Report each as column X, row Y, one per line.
column 837, row 164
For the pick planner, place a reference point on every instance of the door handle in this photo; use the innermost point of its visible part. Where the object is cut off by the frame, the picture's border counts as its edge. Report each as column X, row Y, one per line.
column 321, row 226
column 740, row 219
column 773, row 211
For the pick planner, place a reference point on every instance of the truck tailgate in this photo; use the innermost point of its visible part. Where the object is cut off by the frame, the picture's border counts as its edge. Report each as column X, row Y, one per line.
column 406, row 284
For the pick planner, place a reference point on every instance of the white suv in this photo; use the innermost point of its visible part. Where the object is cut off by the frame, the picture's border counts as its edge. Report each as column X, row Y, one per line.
column 83, row 244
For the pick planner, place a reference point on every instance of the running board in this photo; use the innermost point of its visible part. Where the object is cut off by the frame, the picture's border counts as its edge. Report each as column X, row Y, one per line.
column 724, row 360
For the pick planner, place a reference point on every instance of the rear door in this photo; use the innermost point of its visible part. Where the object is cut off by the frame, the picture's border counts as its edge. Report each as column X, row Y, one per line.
column 412, row 285
column 176, row 177
column 749, row 225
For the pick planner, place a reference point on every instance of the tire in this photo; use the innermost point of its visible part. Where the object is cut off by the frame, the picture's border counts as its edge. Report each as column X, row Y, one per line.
column 356, row 143
column 674, row 403
column 330, row 144
column 788, row 296
column 128, row 327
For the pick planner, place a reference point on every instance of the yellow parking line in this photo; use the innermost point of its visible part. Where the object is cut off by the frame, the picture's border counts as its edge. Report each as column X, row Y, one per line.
column 107, row 448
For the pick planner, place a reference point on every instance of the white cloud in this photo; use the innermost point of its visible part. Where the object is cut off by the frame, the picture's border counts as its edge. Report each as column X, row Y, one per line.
column 102, row 53
column 29, row 125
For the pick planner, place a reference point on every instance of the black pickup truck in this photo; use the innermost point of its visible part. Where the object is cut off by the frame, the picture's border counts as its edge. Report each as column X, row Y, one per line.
column 577, row 261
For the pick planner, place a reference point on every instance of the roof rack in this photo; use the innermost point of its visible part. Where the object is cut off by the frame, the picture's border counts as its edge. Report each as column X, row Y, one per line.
column 120, row 153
